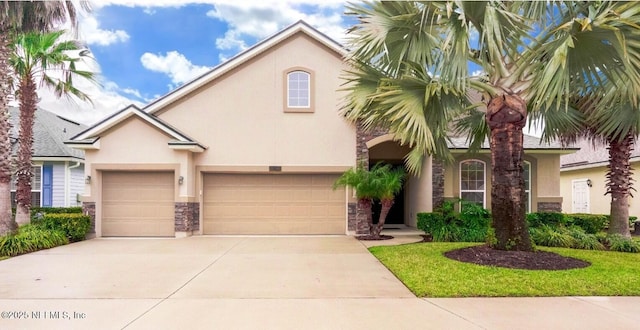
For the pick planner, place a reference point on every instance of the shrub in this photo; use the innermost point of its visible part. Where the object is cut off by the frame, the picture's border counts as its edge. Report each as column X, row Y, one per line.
column 75, row 226
column 584, row 240
column 622, row 244
column 470, row 225
column 553, row 219
column 38, row 212
column 30, row 238
column 548, row 236
column 591, row 223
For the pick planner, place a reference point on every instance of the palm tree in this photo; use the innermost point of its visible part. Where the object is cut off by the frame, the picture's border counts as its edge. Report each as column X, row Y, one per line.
column 45, row 57
column 388, row 183
column 410, row 73
column 21, row 16
column 361, row 180
column 618, row 127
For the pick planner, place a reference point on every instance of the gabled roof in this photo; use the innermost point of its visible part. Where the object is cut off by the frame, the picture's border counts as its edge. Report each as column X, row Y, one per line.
column 589, row 155
column 243, row 57
column 89, row 139
column 530, row 143
column 49, row 133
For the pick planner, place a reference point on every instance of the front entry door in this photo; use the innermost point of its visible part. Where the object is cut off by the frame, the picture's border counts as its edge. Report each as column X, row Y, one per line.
column 580, row 193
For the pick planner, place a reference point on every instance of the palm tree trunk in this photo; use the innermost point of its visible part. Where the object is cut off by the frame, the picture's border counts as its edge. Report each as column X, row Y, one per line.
column 384, row 211
column 365, row 205
column 7, row 224
column 619, row 184
column 506, row 116
column 24, row 172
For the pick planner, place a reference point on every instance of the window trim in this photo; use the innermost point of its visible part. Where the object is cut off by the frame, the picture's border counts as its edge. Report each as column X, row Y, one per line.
column 13, row 185
column 529, row 191
column 484, row 174
column 303, row 109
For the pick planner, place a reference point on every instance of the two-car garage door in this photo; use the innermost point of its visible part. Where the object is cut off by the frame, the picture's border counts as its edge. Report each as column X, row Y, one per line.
column 273, row 204
column 142, row 204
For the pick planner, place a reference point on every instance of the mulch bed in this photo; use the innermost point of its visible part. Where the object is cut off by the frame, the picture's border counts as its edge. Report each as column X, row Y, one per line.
column 373, row 238
column 538, row 260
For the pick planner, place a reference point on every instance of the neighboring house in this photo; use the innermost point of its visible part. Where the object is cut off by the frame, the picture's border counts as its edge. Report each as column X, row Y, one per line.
column 254, row 147
column 583, row 180
column 58, row 169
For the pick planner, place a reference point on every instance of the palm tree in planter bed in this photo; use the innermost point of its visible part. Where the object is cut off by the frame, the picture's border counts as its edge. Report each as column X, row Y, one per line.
column 388, row 183
column 381, row 182
column 361, row 180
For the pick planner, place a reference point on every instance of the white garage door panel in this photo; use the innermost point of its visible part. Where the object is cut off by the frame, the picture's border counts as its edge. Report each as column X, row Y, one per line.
column 137, row 204
column 273, row 204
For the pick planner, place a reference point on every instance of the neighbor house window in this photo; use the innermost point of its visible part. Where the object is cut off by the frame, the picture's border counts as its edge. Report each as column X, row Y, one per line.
column 472, row 182
column 36, row 187
column 299, row 94
column 527, row 185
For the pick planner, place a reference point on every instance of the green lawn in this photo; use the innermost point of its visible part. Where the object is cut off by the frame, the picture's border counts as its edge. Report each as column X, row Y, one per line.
column 427, row 273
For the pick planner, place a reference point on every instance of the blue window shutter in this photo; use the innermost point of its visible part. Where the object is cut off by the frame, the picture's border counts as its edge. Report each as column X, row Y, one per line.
column 47, row 185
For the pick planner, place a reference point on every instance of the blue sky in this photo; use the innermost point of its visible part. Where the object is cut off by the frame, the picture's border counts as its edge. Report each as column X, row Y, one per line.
column 144, row 49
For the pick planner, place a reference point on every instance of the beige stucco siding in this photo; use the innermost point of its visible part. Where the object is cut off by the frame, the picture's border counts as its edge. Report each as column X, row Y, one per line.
column 599, row 203
column 240, row 116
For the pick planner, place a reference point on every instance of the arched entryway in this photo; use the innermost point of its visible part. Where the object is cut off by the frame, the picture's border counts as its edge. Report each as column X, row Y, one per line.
column 384, row 150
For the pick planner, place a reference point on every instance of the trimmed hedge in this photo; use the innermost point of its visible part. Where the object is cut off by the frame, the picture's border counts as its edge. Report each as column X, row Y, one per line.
column 75, row 209
column 74, row 225
column 591, row 223
column 471, row 225
column 31, row 238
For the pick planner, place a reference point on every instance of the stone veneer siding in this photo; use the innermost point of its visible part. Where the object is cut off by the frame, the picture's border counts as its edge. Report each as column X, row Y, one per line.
column 187, row 216
column 89, row 208
column 362, row 156
column 549, row 207
column 352, row 214
column 437, row 179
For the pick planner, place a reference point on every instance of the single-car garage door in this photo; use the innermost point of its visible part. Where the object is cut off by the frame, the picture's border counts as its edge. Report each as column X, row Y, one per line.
column 273, row 204
column 138, row 204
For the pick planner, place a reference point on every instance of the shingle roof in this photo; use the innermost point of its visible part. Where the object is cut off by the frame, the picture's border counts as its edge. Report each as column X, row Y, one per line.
column 49, row 133
column 591, row 155
column 529, row 143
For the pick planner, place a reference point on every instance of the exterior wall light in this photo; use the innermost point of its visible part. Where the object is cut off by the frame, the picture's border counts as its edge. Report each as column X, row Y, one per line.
column 87, row 180
column 180, row 179
column 589, row 183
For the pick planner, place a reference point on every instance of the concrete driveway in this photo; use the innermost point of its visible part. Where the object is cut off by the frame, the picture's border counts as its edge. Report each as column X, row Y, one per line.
column 248, row 282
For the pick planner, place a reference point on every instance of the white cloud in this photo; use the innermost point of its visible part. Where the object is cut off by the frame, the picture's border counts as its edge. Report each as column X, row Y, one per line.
column 174, row 64
column 92, row 34
column 260, row 19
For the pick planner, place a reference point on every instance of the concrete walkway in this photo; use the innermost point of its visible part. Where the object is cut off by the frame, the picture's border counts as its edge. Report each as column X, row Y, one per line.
column 258, row 282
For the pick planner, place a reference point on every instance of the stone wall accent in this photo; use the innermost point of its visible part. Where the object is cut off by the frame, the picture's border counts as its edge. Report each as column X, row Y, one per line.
column 362, row 222
column 187, row 216
column 351, row 218
column 362, row 156
column 362, row 137
column 89, row 208
column 437, row 189
column 549, row 207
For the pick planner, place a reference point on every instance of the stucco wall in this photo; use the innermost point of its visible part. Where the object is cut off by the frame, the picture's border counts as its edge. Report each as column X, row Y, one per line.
column 599, row 203
column 240, row 116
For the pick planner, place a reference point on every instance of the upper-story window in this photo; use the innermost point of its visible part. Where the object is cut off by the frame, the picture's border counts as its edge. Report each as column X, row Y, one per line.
column 299, row 91
column 472, row 182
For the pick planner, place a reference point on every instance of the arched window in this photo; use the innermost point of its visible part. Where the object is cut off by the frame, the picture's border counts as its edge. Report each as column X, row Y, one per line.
column 527, row 185
column 298, row 89
column 473, row 182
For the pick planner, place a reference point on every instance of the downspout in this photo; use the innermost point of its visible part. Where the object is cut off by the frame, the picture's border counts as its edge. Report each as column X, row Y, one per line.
column 67, row 183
